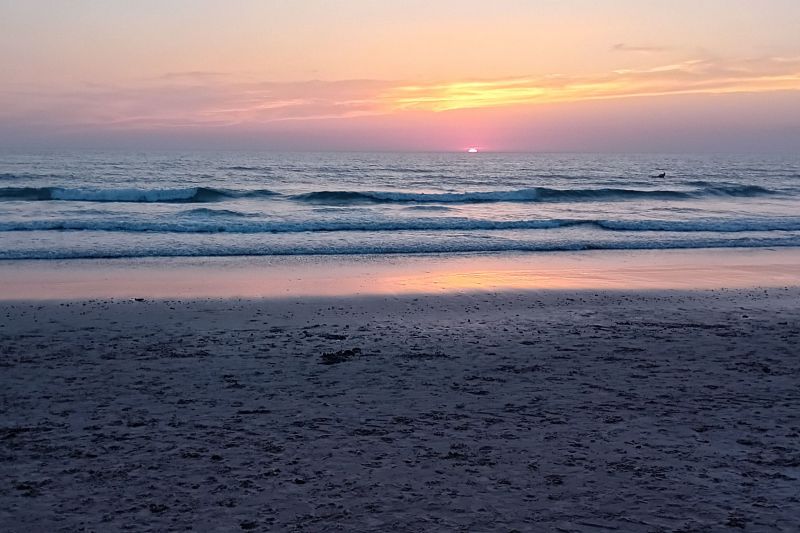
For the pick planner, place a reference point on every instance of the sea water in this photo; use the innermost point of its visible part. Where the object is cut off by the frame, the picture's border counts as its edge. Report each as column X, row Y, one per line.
column 114, row 204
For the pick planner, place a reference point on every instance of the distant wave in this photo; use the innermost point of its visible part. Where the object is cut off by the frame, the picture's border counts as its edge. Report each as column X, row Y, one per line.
column 224, row 221
column 235, row 226
column 429, row 208
column 247, row 168
column 719, row 225
column 187, row 195
column 8, row 176
column 206, row 212
column 407, row 170
column 536, row 194
column 523, row 195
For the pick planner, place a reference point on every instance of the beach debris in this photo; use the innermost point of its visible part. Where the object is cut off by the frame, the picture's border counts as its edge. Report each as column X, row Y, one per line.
column 333, row 358
column 158, row 508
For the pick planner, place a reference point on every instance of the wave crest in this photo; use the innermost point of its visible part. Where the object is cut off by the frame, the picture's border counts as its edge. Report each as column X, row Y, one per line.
column 536, row 194
column 187, row 195
column 224, row 221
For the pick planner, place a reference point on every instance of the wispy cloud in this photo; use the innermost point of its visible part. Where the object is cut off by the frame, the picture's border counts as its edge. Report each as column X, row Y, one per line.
column 640, row 49
column 700, row 76
column 193, row 75
column 208, row 99
column 190, row 100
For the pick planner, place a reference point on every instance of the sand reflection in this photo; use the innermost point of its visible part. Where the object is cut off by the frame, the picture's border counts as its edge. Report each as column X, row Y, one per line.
column 344, row 276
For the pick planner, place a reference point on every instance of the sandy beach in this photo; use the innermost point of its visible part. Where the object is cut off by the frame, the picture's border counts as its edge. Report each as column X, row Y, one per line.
column 399, row 267
column 589, row 410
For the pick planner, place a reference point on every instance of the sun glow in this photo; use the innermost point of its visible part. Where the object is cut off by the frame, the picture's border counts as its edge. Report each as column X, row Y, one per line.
column 688, row 77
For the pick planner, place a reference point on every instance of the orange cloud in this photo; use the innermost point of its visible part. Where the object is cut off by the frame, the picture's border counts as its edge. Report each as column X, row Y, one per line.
column 207, row 99
column 690, row 77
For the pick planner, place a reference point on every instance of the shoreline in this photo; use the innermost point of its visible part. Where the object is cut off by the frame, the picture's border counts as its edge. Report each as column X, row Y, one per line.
column 341, row 276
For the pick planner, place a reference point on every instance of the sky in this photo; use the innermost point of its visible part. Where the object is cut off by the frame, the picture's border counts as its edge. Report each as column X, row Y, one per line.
column 506, row 75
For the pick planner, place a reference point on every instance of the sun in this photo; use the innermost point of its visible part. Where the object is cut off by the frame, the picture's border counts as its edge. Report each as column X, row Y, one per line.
column 473, row 150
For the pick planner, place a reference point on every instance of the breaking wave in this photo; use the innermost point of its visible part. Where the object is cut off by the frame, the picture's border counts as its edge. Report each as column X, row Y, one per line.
column 187, row 195
column 535, row 194
column 437, row 246
column 224, row 221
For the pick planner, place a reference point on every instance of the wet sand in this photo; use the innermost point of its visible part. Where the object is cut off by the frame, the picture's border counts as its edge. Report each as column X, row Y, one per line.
column 590, row 410
column 310, row 276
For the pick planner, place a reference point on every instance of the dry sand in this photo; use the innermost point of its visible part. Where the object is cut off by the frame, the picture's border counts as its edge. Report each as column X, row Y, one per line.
column 548, row 411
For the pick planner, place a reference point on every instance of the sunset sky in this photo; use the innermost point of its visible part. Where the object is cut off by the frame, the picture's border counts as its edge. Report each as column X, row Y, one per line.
column 535, row 75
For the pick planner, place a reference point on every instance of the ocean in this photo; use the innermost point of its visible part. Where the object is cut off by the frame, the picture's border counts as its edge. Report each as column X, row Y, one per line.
column 112, row 204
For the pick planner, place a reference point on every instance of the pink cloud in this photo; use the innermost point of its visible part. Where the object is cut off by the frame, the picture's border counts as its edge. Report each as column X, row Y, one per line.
column 375, row 113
